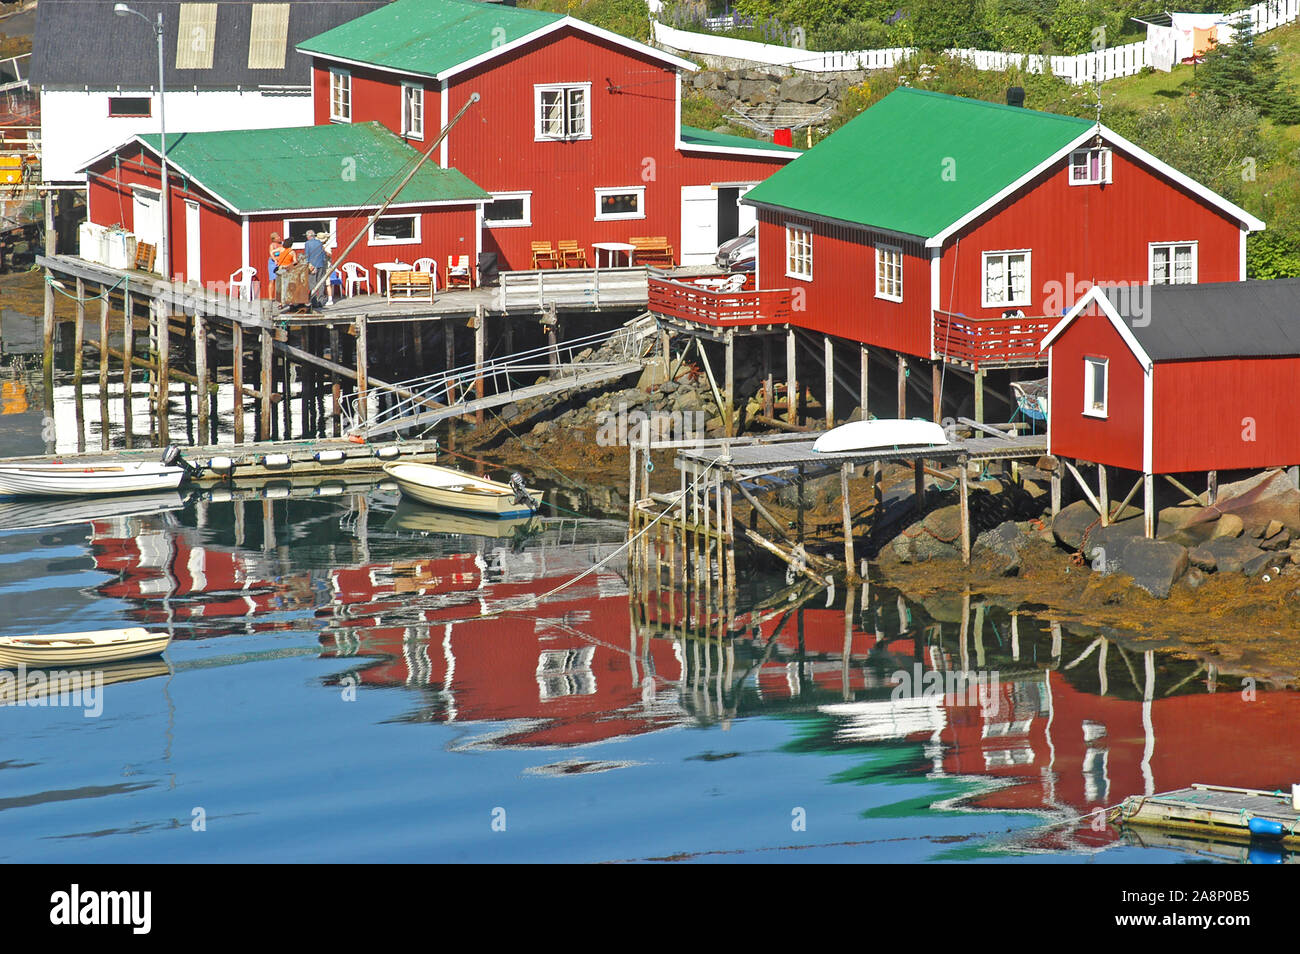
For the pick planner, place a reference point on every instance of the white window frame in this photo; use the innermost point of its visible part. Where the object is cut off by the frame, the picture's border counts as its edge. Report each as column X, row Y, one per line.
column 1089, row 392
column 373, row 239
column 412, row 102
column 1173, row 250
column 333, row 229
column 638, row 191
column 1005, row 255
column 1087, row 178
column 888, row 287
column 792, row 253
column 340, row 83
column 525, row 222
column 565, row 88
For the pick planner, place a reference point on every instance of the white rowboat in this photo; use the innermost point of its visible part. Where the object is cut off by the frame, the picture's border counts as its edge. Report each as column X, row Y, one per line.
column 81, row 649
column 880, row 435
column 87, row 480
column 455, row 490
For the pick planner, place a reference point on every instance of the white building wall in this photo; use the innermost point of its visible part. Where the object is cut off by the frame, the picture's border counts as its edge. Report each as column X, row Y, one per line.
column 76, row 127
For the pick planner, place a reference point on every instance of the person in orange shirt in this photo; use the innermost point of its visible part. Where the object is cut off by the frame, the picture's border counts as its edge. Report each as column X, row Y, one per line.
column 283, row 256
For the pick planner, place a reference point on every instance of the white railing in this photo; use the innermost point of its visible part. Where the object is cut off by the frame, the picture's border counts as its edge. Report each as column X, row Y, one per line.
column 568, row 287
column 1088, row 67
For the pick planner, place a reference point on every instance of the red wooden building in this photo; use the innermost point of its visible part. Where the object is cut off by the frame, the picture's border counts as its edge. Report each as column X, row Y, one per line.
column 577, row 134
column 1169, row 380
column 231, row 190
column 955, row 229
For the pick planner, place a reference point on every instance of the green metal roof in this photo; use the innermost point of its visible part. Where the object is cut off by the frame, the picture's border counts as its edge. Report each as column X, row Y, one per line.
column 917, row 161
column 428, row 36
column 706, row 138
column 310, row 167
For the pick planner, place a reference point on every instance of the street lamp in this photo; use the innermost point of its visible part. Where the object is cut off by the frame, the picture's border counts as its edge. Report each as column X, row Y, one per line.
column 164, row 256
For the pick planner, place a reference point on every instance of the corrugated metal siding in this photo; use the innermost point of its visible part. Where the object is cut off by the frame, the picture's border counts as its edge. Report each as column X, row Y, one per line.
column 268, row 36
column 1087, row 234
column 1115, row 440
column 1206, row 411
column 196, row 34
column 841, row 299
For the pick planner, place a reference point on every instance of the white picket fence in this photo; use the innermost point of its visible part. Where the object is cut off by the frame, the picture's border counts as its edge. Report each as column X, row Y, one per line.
column 1084, row 68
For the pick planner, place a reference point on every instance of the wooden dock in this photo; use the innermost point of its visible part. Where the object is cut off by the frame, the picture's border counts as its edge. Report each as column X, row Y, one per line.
column 1217, row 811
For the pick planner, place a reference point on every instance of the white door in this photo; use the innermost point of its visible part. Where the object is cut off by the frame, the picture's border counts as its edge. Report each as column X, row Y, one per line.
column 192, row 239
column 748, row 214
column 146, row 213
column 699, row 225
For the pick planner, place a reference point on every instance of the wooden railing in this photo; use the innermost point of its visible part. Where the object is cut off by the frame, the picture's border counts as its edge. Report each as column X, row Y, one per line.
column 990, row 342
column 541, row 289
column 723, row 309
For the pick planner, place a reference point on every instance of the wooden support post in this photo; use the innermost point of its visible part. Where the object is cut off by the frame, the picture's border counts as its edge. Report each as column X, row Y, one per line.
column 163, row 323
column 103, row 369
column 77, row 364
column 480, row 350
column 1056, row 491
column 850, row 571
column 1103, row 495
column 791, row 381
column 902, row 387
column 1212, row 488
column 829, row 368
column 201, row 371
column 729, row 383
column 936, row 391
column 918, row 485
column 864, row 359
column 264, row 372
column 237, row 375
column 286, row 393
column 731, row 551
column 768, row 380
column 47, row 350
column 336, row 388
column 963, row 484
column 799, row 538
column 449, row 356
column 363, row 364
column 128, row 373
column 1149, row 505
column 979, row 395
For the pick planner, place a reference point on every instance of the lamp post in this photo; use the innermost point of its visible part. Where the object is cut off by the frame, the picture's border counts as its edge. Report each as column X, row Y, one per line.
column 164, row 250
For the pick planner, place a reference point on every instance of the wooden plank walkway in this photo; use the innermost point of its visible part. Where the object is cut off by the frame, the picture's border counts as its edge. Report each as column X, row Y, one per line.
column 1217, row 810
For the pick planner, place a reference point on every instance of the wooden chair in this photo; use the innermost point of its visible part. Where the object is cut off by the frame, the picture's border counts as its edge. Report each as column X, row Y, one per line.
column 459, row 271
column 430, row 266
column 144, row 256
column 652, row 250
column 354, row 276
column 242, row 280
column 572, row 255
column 412, row 285
column 543, row 253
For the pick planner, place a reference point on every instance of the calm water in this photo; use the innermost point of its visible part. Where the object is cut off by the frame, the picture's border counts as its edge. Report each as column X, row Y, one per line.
column 334, row 692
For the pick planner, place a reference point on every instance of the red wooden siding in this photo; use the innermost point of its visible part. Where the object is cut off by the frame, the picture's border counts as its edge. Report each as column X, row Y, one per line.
column 633, row 121
column 841, row 298
column 1204, row 408
column 1086, row 233
column 1115, row 440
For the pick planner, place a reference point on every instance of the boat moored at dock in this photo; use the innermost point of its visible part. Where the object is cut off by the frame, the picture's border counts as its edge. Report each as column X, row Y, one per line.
column 81, row 649
column 456, row 490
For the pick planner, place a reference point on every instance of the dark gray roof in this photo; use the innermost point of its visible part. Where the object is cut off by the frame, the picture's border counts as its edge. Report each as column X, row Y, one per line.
column 82, row 43
column 1216, row 320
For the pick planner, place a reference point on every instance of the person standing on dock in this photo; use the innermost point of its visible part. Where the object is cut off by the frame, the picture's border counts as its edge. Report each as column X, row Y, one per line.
column 317, row 262
column 284, row 258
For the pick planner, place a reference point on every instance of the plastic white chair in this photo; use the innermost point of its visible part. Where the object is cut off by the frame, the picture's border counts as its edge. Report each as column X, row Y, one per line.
column 243, row 279
column 355, row 275
column 430, row 266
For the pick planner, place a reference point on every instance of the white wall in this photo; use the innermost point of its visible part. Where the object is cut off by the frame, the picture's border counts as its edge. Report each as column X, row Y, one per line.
column 76, row 127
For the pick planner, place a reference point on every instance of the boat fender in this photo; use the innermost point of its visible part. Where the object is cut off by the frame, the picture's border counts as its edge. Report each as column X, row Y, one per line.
column 522, row 496
column 1266, row 828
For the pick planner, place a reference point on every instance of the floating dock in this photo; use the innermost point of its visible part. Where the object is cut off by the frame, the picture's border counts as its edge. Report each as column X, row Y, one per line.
column 1217, row 811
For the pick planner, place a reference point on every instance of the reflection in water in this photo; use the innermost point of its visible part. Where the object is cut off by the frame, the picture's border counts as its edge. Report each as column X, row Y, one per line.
column 952, row 708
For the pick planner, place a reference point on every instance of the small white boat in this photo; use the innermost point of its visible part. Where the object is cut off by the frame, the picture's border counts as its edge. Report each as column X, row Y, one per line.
column 86, row 479
column 81, row 649
column 456, row 490
column 881, row 434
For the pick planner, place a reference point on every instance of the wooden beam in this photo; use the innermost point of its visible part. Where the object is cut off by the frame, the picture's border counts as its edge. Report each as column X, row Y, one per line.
column 1212, row 487
column 1103, row 495
column 78, row 364
column 902, row 386
column 264, row 374
column 850, row 570
column 128, row 348
column 864, row 361
column 1149, row 505
column 480, row 351
column 47, row 349
column 828, row 367
column 164, row 331
column 201, row 371
column 963, row 484
column 1083, row 485
column 1194, row 498
column 936, row 391
column 791, row 382
column 103, row 369
column 729, row 379
column 237, row 375
column 363, row 365
column 979, row 395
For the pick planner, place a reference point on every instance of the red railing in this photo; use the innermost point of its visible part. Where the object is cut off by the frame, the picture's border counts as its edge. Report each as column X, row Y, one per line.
column 722, row 309
column 990, row 341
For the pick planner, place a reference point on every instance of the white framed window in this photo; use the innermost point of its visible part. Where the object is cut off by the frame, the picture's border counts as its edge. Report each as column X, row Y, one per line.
column 509, row 210
column 412, row 111
column 889, row 272
column 295, row 231
column 395, row 230
column 1006, row 278
column 1172, row 263
column 1090, row 166
column 340, row 96
column 561, row 111
column 1095, row 386
column 798, row 252
column 624, row 203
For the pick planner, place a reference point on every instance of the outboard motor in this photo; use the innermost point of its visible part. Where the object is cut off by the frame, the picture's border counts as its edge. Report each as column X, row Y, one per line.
column 171, row 457
column 522, row 496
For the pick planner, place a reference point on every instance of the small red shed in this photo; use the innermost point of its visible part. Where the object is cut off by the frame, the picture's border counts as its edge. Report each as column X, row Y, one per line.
column 1169, row 379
